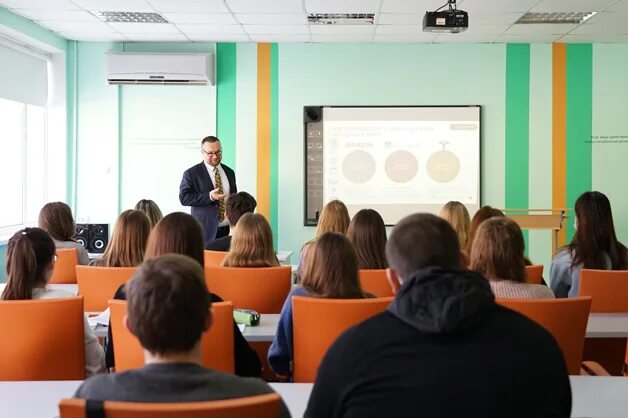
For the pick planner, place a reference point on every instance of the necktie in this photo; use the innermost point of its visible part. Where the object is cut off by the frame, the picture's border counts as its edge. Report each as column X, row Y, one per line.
column 221, row 203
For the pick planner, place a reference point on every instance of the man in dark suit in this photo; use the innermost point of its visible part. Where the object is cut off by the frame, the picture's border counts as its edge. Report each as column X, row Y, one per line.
column 204, row 187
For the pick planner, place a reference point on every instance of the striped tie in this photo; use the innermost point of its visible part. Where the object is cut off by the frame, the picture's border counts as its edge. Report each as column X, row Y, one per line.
column 221, row 203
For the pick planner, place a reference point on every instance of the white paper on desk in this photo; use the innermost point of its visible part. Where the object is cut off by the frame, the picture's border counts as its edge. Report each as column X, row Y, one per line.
column 102, row 319
column 241, row 327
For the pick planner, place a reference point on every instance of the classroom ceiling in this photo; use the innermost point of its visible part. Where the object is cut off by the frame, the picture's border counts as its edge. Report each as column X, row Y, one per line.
column 286, row 20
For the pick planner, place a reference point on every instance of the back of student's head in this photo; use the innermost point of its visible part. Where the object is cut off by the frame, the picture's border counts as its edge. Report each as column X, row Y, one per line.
column 595, row 237
column 331, row 268
column 251, row 244
column 177, row 233
column 498, row 250
column 484, row 213
column 238, row 204
column 333, row 218
column 457, row 215
column 128, row 240
column 56, row 219
column 151, row 210
column 168, row 305
column 367, row 233
column 419, row 241
column 30, row 256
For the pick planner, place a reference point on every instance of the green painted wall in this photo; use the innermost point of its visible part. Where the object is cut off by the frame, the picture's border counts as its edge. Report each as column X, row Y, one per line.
column 3, row 261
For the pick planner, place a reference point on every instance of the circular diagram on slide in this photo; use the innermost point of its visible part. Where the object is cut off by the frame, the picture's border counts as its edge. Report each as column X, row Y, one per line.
column 358, row 166
column 401, row 166
column 443, row 166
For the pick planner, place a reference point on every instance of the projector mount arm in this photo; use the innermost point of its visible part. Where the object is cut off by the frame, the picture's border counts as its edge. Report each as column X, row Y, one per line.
column 450, row 3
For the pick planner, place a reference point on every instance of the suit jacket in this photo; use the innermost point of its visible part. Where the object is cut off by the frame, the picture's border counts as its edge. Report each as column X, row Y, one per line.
column 194, row 191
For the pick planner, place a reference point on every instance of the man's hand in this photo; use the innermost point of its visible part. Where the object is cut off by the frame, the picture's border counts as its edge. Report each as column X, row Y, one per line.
column 215, row 196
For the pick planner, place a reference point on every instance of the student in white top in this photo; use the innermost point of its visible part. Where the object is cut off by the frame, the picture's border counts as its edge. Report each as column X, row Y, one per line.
column 498, row 254
column 56, row 219
column 30, row 262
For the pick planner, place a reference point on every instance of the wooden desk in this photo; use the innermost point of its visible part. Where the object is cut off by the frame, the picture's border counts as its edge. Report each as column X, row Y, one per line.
column 599, row 397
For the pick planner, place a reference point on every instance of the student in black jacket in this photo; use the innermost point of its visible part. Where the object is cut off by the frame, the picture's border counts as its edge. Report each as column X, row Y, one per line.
column 443, row 348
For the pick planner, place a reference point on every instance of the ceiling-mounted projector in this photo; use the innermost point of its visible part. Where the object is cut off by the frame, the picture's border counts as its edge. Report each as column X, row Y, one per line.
column 447, row 21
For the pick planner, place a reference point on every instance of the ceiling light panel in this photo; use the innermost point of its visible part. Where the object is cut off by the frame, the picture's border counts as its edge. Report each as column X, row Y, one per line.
column 129, row 17
column 265, row 6
column 341, row 19
column 272, row 18
column 555, row 17
column 207, row 18
column 345, row 6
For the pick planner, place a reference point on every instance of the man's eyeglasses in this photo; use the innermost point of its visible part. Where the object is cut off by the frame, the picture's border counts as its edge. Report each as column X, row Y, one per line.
column 211, row 154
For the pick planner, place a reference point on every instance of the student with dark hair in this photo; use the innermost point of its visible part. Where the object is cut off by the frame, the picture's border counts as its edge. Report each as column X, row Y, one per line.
column 56, row 219
column 443, row 348
column 180, row 233
column 367, row 233
column 151, row 210
column 168, row 311
column 331, row 272
column 236, row 205
column 594, row 245
column 30, row 262
column 128, row 241
column 484, row 213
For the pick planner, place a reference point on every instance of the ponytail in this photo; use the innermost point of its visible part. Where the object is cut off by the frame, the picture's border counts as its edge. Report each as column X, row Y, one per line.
column 29, row 254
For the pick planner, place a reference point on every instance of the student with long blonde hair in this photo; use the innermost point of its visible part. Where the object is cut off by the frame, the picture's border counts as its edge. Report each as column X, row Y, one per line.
column 128, row 241
column 252, row 244
column 151, row 210
column 30, row 263
column 331, row 272
column 56, row 219
column 458, row 217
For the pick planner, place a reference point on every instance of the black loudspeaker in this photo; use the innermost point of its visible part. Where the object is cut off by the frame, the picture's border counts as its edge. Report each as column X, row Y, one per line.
column 312, row 113
column 94, row 237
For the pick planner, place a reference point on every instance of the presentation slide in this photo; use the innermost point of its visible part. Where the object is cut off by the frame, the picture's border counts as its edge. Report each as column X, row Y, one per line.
column 401, row 160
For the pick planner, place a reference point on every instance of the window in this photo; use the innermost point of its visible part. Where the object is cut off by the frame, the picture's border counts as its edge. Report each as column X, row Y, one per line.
column 22, row 164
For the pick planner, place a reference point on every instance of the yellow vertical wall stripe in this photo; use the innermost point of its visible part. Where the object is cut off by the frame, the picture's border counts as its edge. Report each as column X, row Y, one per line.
column 263, row 128
column 559, row 131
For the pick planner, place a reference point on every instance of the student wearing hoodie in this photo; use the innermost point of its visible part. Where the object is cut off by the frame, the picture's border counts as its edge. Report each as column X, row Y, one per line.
column 443, row 348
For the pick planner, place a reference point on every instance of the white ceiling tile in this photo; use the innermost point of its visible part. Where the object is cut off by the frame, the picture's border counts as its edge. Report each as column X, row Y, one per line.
column 342, row 29
column 272, row 18
column 485, row 29
column 281, row 38
column 345, row 6
column 408, row 6
column 128, row 28
column 571, row 5
column 145, row 37
column 265, row 6
column 530, row 38
column 342, row 38
column 400, row 19
column 621, row 5
column 494, row 18
column 219, row 38
column 207, row 6
column 115, row 5
column 399, row 29
column 40, row 4
column 276, row 29
column 599, row 30
column 421, row 38
column 78, row 27
column 496, row 6
column 541, row 29
column 83, row 36
column 211, row 18
column 211, row 29
column 614, row 19
column 576, row 39
column 65, row 15
column 473, row 39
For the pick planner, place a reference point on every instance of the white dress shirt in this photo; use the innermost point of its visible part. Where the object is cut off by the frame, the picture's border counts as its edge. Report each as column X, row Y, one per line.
column 226, row 189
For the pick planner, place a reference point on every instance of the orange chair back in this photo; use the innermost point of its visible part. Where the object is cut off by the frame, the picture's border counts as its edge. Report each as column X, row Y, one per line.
column 318, row 322
column 64, row 271
column 262, row 289
column 607, row 288
column 565, row 319
column 375, row 283
column 214, row 258
column 261, row 406
column 535, row 274
column 42, row 339
column 99, row 284
column 216, row 344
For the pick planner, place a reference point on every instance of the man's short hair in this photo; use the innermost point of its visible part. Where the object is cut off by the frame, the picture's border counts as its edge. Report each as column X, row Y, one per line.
column 419, row 241
column 238, row 204
column 211, row 139
column 168, row 304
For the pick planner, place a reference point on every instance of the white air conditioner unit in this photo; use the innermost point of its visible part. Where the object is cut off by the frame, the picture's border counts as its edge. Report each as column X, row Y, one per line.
column 148, row 68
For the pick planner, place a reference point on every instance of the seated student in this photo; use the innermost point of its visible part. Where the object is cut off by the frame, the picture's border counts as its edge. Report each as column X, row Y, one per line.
column 30, row 262
column 484, row 213
column 367, row 233
column 236, row 205
column 180, row 233
column 151, row 210
column 128, row 241
column 168, row 311
column 594, row 245
column 56, row 219
column 457, row 215
column 498, row 255
column 331, row 272
column 252, row 244
column 443, row 348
